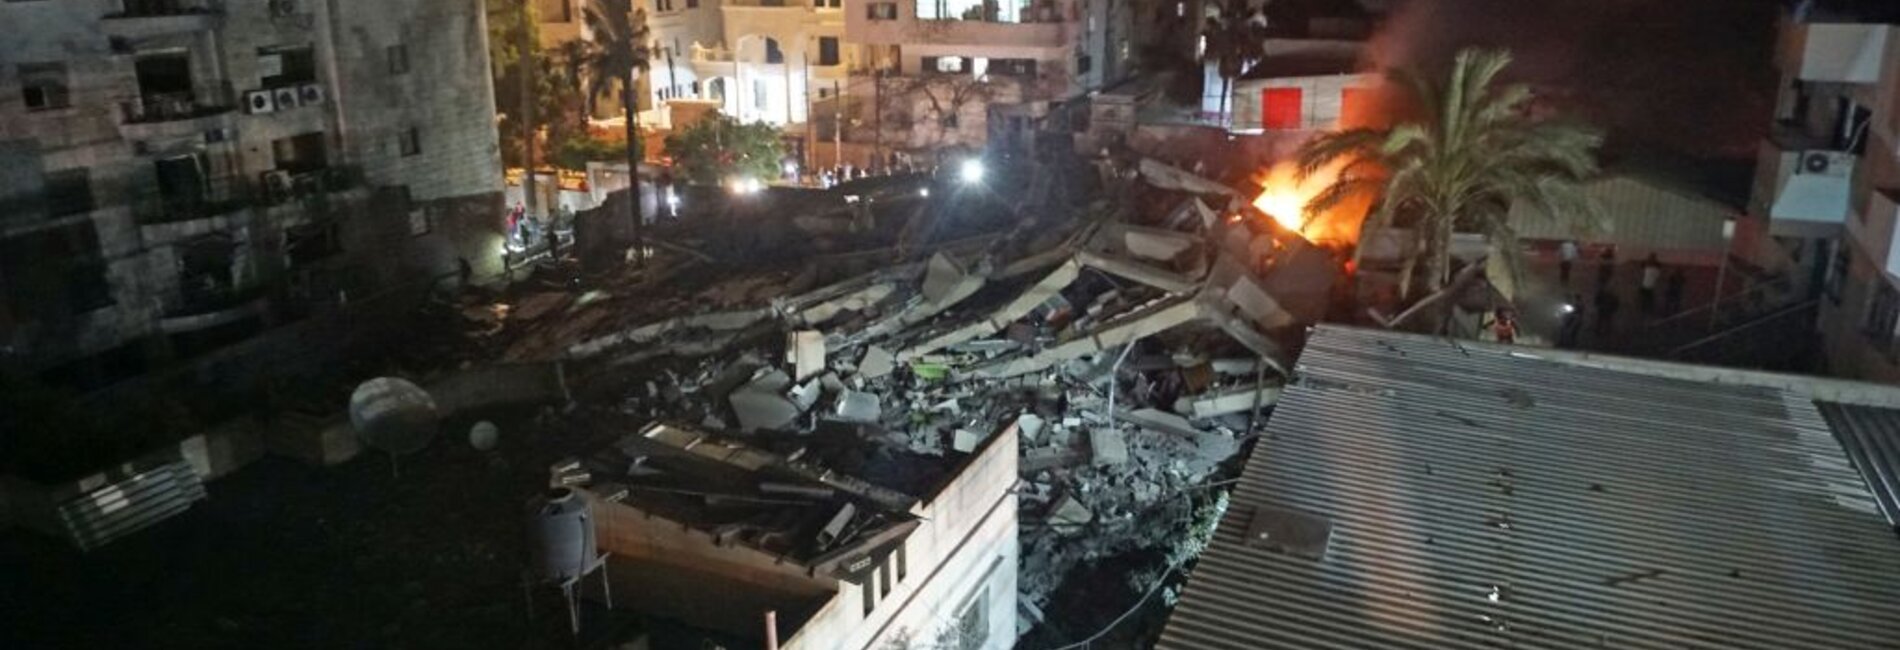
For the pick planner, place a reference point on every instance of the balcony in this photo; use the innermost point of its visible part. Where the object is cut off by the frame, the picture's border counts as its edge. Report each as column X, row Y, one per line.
column 151, row 116
column 145, row 18
column 1802, row 186
column 1838, row 52
column 167, row 217
column 202, row 307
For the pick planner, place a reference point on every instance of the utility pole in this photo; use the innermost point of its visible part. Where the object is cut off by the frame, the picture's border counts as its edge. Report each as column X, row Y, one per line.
column 811, row 133
column 837, row 126
column 877, row 111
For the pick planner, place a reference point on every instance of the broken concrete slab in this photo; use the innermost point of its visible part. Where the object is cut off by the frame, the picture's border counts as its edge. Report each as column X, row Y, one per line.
column 1043, row 291
column 1160, row 421
column 769, row 380
column 805, row 352
column 1232, row 401
column 1169, row 177
column 1109, row 446
column 859, row 406
column 1155, row 243
column 1158, row 278
column 831, row 383
column 1042, row 458
column 1069, row 512
column 877, row 362
column 762, row 410
column 1030, row 426
column 806, row 394
column 942, row 278
column 966, row 440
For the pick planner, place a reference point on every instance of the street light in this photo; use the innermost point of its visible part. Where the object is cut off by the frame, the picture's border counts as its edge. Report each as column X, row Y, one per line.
column 971, row 171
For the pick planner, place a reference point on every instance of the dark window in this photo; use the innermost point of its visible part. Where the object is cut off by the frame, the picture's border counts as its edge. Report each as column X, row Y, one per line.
column 410, row 141
column 300, row 153
column 692, row 4
column 881, row 11
column 1013, row 67
column 68, row 191
column 1084, row 63
column 310, row 243
column 827, row 50
column 398, row 59
column 54, row 273
column 695, row 89
column 772, row 52
column 44, row 86
column 286, row 66
column 1837, row 275
column 1883, row 313
column 827, row 4
column 163, row 76
column 973, row 622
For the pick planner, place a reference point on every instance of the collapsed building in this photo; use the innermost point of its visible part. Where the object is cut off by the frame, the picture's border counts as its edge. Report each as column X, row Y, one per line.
column 1122, row 358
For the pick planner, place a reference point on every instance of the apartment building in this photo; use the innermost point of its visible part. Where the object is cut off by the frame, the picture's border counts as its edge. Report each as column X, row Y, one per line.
column 182, row 175
column 971, row 72
column 1827, row 190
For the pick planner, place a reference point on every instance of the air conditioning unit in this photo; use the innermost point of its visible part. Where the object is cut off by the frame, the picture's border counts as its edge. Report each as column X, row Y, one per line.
column 277, row 185
column 310, row 95
column 286, row 98
column 1827, row 163
column 259, row 101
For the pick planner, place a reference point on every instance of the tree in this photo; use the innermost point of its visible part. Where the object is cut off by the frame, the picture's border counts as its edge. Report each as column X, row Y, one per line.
column 718, row 147
column 622, row 54
column 1472, row 151
column 1236, row 40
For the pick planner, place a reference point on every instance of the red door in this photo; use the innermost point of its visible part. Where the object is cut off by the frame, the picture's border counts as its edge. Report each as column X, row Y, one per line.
column 1280, row 108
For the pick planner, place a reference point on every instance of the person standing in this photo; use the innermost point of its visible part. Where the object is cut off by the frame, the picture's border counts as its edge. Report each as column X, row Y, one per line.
column 1606, row 306
column 1566, row 258
column 1672, row 292
column 1570, row 323
column 1606, row 267
column 1504, row 325
column 1646, row 291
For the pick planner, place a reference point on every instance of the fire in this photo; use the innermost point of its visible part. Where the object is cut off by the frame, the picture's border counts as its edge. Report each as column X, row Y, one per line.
column 1284, row 197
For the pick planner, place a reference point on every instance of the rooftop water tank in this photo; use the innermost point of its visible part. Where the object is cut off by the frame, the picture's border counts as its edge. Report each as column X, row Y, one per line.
column 393, row 415
column 561, row 536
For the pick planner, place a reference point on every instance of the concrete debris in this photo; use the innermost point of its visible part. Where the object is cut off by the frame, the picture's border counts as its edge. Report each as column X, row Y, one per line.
column 1041, row 458
column 1232, row 401
column 805, row 352
column 759, row 409
column 807, row 394
column 1169, row 177
column 1069, row 512
column 1159, row 421
column 1030, row 425
column 859, row 406
column 1109, row 446
column 946, row 282
column 967, row 440
column 877, row 362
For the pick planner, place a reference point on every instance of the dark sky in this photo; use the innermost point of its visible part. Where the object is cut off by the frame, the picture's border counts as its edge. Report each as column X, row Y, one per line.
column 1689, row 76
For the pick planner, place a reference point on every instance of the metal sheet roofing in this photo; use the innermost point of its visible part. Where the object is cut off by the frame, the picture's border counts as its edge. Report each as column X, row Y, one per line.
column 1479, row 496
column 1871, row 437
column 1637, row 212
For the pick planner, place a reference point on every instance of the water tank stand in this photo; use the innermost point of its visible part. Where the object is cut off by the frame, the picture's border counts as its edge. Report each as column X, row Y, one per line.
column 570, row 591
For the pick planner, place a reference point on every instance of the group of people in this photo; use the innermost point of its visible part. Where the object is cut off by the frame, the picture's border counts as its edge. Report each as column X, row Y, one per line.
column 895, row 163
column 1655, row 281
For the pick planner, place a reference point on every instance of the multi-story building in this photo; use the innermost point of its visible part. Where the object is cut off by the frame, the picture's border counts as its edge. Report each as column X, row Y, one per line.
column 180, row 175
column 970, row 72
column 1827, row 184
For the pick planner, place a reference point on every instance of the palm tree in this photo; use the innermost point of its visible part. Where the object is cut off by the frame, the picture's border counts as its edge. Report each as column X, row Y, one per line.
column 1472, row 151
column 621, row 55
column 1236, row 40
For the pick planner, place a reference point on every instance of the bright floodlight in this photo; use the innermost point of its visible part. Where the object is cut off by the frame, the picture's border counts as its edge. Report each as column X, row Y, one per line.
column 972, row 171
column 1566, row 308
column 923, row 192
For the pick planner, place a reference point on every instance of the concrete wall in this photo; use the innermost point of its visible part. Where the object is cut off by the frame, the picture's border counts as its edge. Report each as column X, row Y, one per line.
column 966, row 546
column 1321, row 99
column 1851, row 353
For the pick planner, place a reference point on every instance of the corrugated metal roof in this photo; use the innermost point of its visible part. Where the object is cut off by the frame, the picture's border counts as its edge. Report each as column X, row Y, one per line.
column 1637, row 213
column 1871, row 437
column 1479, row 497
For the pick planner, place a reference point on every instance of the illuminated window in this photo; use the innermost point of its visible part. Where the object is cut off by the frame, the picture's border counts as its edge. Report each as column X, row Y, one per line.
column 881, row 11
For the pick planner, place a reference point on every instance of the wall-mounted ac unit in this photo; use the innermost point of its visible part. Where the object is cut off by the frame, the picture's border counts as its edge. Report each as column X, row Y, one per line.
column 1828, row 163
column 310, row 95
column 286, row 98
column 259, row 101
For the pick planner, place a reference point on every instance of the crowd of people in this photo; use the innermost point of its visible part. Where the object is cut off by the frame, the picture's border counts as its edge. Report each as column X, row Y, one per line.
column 1659, row 294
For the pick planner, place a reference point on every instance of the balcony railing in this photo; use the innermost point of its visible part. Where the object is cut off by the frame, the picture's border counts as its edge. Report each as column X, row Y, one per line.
column 220, row 196
column 151, row 108
column 277, row 187
column 200, row 299
column 161, row 8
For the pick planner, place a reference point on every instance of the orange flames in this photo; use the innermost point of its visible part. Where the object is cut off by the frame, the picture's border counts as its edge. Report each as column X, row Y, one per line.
column 1284, row 197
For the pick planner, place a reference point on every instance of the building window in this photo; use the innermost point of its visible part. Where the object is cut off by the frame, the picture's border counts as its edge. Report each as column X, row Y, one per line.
column 1837, row 273
column 1013, row 67
column 943, row 64
column 1084, row 63
column 1883, row 313
column 692, row 4
column 300, row 153
column 68, row 191
column 991, row 11
column 286, row 66
column 398, row 59
column 772, row 52
column 695, row 87
column 44, row 86
column 827, row 50
column 410, row 141
column 881, row 11
column 54, row 272
column 758, row 94
column 973, row 621
column 1280, row 108
column 827, row 4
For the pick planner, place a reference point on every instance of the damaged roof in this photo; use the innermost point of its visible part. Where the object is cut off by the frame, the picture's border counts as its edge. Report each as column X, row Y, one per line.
column 1410, row 492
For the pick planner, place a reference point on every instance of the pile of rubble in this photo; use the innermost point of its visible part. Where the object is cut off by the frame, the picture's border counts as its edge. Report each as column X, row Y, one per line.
column 1133, row 354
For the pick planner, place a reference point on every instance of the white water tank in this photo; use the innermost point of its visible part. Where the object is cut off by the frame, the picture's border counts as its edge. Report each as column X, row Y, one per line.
column 561, row 536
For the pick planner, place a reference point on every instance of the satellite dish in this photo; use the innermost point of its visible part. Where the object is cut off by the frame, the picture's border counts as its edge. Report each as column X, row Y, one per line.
column 393, row 415
column 484, row 435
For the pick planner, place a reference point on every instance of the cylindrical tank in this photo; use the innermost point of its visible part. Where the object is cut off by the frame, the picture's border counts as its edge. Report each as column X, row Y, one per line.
column 560, row 535
column 393, row 415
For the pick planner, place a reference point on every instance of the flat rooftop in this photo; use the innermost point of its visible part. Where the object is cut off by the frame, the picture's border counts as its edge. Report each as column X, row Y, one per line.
column 1412, row 492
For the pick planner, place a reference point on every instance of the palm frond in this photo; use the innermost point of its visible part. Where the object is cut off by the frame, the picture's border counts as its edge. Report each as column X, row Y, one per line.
column 1325, row 149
